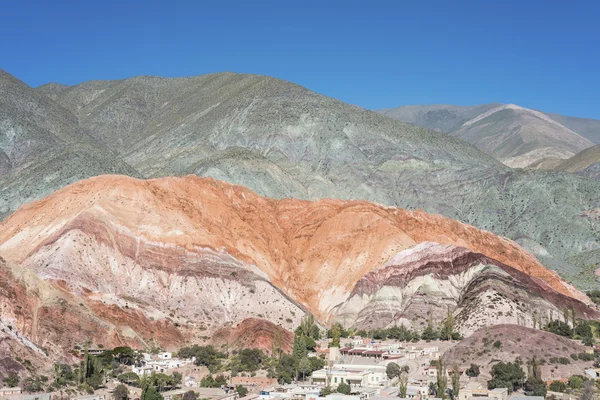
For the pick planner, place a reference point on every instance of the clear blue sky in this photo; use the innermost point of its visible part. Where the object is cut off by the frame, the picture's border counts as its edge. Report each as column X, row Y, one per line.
column 538, row 54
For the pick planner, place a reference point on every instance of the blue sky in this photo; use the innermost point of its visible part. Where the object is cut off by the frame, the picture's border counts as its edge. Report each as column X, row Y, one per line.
column 538, row 54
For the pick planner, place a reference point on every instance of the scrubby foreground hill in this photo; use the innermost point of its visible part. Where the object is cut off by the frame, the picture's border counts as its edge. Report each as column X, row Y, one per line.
column 517, row 136
column 177, row 260
column 282, row 140
column 506, row 343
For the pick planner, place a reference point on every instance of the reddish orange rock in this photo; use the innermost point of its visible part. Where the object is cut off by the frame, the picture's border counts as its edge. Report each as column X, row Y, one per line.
column 315, row 251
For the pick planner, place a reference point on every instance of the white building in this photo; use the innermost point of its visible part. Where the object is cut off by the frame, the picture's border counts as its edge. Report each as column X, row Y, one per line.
column 354, row 375
column 165, row 356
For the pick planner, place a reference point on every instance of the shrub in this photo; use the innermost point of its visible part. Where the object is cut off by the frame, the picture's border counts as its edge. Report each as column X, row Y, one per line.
column 557, row 386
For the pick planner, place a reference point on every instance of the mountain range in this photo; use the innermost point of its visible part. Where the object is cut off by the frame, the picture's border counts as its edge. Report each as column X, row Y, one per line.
column 157, row 212
column 517, row 136
column 282, row 140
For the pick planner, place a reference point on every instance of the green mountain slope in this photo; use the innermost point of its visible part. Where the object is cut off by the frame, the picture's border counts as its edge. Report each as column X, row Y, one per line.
column 282, row 140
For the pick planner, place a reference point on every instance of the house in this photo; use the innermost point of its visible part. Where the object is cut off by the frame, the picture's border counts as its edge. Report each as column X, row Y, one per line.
column 165, row 356
column 90, row 397
column 6, row 391
column 357, row 377
column 35, row 396
column 481, row 393
column 255, row 381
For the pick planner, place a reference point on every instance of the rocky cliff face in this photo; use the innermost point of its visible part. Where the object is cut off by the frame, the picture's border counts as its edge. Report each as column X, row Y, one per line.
column 424, row 282
column 178, row 259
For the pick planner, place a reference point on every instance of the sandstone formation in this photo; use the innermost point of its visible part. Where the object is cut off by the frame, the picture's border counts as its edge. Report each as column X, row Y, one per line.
column 178, row 259
column 425, row 282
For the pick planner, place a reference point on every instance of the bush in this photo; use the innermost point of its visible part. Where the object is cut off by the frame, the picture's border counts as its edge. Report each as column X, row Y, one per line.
column 497, row 344
column 559, row 328
column 241, row 390
column 472, row 371
column 190, row 395
column 344, row 388
column 12, row 379
column 586, row 357
column 557, row 386
column 576, row 382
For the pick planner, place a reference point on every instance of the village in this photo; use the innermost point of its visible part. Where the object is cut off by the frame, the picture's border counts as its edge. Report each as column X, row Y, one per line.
column 358, row 369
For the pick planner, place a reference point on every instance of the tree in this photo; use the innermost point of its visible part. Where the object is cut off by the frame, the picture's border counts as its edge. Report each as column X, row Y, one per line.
column 304, row 367
column 299, row 348
column 447, row 330
column 442, row 378
column 392, row 370
column 176, row 378
column 121, row 392
column 557, row 386
column 130, row 378
column 12, row 379
column 473, row 371
column 588, row 391
column 535, row 387
column 190, row 395
column 325, row 391
column 336, row 331
column 150, row 393
column 241, row 390
column 344, row 388
column 576, row 382
column 559, row 328
column 508, row 375
column 403, row 384
column 455, row 381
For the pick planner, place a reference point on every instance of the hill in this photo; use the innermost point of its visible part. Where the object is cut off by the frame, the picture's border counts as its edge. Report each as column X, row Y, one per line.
column 43, row 148
column 517, row 136
column 180, row 259
column 581, row 161
column 282, row 140
column 519, row 342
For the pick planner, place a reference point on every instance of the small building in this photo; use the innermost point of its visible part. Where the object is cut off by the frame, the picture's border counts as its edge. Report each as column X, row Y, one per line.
column 90, row 397
column 165, row 355
column 7, row 391
column 253, row 381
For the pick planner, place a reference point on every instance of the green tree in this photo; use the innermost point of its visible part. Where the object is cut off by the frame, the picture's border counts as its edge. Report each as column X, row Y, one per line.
column 576, row 382
column 403, row 384
column 392, row 370
column 336, row 332
column 455, row 380
column 241, row 390
column 325, row 391
column 535, row 387
column 473, row 371
column 557, row 386
column 150, row 393
column 12, row 379
column 447, row 327
column 304, row 367
column 508, row 375
column 176, row 378
column 129, row 378
column 299, row 348
column 559, row 328
column 442, row 378
column 190, row 395
column 344, row 388
column 121, row 392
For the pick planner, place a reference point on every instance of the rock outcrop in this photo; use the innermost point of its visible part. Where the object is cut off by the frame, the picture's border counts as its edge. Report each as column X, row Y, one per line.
column 425, row 282
column 178, row 259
